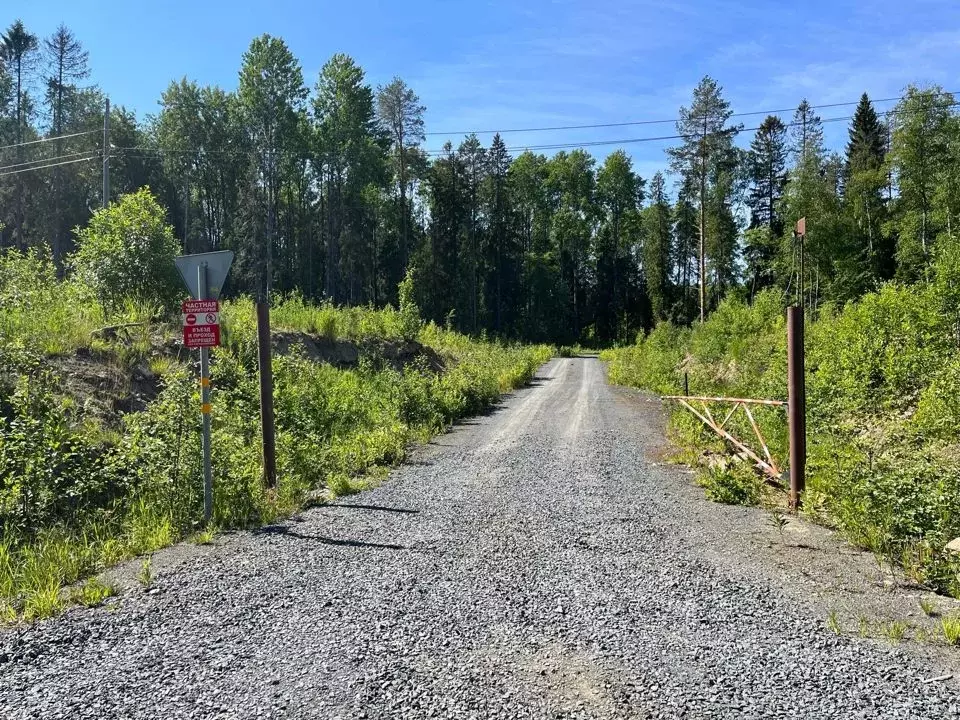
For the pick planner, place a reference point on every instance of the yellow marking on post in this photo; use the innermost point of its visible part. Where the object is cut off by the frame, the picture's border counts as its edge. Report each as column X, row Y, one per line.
column 205, row 408
column 204, row 382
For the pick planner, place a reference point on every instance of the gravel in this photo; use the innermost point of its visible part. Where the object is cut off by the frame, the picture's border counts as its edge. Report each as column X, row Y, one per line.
column 536, row 562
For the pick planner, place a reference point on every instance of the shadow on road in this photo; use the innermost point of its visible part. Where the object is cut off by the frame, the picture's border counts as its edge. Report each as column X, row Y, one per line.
column 287, row 532
column 358, row 506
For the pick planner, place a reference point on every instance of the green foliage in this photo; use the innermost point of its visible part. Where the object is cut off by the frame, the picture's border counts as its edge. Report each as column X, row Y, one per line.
column 894, row 631
column 145, row 573
column 654, row 362
column 76, row 496
column 92, row 592
column 127, row 251
column 409, row 312
column 950, row 625
column 47, row 470
column 37, row 310
column 928, row 606
column 883, row 375
column 735, row 485
column 778, row 521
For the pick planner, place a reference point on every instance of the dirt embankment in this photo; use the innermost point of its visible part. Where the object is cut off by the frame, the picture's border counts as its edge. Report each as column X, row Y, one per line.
column 110, row 383
column 347, row 354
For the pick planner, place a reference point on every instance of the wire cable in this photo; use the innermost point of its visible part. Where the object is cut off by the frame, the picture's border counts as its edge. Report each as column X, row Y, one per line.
column 48, row 159
column 44, row 167
column 49, row 139
column 752, row 113
column 561, row 146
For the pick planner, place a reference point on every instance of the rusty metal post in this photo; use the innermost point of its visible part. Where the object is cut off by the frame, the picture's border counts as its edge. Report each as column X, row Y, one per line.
column 797, row 405
column 266, row 395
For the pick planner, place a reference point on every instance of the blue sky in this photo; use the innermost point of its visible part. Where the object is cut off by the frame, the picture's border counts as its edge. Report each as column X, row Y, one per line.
column 521, row 63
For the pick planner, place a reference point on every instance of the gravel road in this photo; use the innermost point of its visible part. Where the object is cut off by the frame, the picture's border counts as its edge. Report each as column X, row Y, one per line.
column 537, row 562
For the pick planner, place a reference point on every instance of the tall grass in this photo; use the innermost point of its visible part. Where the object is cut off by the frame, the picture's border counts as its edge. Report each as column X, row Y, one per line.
column 76, row 497
column 37, row 309
column 882, row 415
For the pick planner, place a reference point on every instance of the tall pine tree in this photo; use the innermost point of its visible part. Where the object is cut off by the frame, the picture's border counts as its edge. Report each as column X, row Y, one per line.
column 766, row 167
column 865, row 178
column 706, row 150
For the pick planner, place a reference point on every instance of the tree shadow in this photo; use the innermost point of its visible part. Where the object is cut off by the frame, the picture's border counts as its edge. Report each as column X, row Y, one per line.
column 287, row 532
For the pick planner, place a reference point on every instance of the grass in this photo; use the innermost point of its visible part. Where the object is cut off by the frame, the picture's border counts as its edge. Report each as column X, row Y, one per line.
column 87, row 496
column 928, row 606
column 92, row 593
column 950, row 625
column 204, row 536
column 145, row 573
column 894, row 630
column 43, row 601
column 833, row 623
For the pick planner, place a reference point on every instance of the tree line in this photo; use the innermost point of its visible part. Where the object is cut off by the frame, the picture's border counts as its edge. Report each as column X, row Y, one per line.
column 328, row 191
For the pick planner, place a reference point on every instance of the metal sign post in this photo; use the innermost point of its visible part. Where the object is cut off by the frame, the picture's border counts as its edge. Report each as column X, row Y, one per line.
column 205, row 405
column 204, row 275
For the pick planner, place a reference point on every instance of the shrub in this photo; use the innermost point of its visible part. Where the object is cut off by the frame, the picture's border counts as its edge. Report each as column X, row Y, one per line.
column 75, row 497
column 883, row 422
column 127, row 251
column 41, row 312
column 736, row 485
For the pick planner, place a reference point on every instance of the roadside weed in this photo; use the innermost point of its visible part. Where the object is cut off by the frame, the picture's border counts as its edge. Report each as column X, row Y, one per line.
column 145, row 574
column 8, row 614
column 161, row 365
column 778, row 520
column 894, row 630
column 863, row 626
column 736, row 485
column 204, row 536
column 43, row 602
column 928, row 606
column 951, row 628
column 92, row 593
column 833, row 623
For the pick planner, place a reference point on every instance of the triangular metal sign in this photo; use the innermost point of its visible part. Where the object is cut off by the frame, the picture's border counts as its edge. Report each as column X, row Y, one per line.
column 218, row 265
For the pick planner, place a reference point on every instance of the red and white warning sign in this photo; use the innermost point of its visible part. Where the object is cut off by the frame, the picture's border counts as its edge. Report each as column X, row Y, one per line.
column 201, row 323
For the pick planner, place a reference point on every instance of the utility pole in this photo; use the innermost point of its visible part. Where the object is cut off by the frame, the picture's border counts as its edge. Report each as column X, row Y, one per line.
column 186, row 212
column 796, row 384
column 106, row 155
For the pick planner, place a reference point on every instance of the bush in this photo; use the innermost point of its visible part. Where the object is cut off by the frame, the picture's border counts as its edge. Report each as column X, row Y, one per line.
column 883, row 422
column 127, row 251
column 736, row 485
column 38, row 310
column 75, row 496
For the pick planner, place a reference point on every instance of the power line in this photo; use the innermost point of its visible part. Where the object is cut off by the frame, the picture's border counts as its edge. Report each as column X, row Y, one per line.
column 48, row 159
column 631, row 141
column 44, row 167
column 625, row 141
column 560, row 146
column 752, row 113
column 48, row 139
